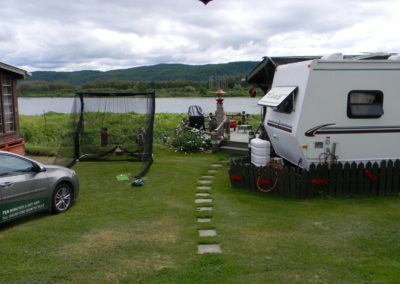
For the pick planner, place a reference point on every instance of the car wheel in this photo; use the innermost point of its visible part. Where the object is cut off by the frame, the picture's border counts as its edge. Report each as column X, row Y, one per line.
column 62, row 198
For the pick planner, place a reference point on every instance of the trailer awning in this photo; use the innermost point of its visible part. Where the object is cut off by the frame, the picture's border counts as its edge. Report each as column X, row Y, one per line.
column 276, row 96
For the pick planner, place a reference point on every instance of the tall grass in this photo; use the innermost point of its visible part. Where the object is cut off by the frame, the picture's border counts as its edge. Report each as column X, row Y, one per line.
column 43, row 133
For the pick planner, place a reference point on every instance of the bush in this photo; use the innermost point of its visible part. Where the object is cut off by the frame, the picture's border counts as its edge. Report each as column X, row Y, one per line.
column 191, row 142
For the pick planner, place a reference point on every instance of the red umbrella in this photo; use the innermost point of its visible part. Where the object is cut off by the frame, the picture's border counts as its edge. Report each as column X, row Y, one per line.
column 205, row 2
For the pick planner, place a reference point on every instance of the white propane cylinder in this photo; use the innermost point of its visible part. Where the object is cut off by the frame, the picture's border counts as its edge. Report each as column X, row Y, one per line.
column 260, row 152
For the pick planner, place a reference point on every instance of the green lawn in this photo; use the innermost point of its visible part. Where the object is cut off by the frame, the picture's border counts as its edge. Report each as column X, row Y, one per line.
column 116, row 233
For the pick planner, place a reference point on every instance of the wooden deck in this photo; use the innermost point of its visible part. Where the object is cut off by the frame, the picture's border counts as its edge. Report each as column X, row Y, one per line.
column 238, row 144
column 240, row 137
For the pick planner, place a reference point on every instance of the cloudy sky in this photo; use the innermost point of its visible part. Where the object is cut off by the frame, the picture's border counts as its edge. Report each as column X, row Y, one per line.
column 71, row 35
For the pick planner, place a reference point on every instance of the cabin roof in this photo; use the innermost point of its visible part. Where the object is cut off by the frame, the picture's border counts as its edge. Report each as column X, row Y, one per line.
column 262, row 75
column 20, row 74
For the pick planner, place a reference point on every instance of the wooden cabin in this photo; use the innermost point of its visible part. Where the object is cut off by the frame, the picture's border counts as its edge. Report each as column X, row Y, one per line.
column 10, row 139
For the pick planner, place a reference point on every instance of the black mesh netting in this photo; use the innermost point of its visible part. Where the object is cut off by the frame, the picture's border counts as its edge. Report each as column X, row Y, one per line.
column 109, row 127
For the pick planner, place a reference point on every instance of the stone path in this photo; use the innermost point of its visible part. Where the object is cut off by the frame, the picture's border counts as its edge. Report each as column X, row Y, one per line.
column 205, row 206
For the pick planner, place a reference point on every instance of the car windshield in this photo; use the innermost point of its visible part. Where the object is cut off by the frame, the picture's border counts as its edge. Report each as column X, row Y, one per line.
column 11, row 165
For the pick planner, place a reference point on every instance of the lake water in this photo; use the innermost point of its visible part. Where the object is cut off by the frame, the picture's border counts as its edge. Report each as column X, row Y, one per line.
column 37, row 106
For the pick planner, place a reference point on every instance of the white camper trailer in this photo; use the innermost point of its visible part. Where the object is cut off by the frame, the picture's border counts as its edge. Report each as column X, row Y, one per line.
column 334, row 109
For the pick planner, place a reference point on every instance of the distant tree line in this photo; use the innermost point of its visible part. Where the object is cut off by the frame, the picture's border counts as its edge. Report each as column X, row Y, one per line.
column 43, row 86
column 165, row 88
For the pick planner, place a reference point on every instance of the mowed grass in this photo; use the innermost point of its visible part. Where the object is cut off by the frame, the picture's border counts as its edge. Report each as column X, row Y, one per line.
column 116, row 233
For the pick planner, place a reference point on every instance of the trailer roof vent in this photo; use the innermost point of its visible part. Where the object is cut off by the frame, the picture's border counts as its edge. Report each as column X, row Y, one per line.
column 333, row 56
column 394, row 57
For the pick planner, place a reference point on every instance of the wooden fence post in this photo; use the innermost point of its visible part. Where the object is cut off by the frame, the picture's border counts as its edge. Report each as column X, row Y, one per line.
column 310, row 188
column 293, row 182
column 353, row 179
column 382, row 178
column 346, row 179
column 367, row 182
column 375, row 173
column 389, row 178
column 360, row 179
column 253, row 177
column 306, row 177
column 396, row 177
column 339, row 180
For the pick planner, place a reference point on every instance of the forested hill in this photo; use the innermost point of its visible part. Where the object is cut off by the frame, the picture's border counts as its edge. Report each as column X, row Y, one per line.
column 160, row 72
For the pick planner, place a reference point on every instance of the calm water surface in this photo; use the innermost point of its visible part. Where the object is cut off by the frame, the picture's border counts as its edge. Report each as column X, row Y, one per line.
column 37, row 106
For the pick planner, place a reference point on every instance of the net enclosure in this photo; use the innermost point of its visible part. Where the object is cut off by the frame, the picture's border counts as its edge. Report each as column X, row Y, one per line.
column 107, row 126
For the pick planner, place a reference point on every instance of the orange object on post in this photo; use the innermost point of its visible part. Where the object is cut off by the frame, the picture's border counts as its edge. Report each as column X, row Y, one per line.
column 16, row 146
column 233, row 123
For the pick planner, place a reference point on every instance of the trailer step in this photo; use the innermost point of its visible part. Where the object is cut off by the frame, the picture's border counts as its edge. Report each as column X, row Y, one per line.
column 234, row 150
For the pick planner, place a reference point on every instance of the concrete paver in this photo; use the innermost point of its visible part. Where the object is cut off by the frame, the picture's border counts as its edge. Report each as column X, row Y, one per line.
column 205, row 208
column 201, row 194
column 207, row 177
column 209, row 248
column 216, row 165
column 203, row 200
column 204, row 220
column 203, row 187
column 208, row 233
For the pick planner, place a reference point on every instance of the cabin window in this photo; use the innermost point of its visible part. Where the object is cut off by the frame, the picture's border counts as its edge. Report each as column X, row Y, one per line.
column 365, row 104
column 7, row 119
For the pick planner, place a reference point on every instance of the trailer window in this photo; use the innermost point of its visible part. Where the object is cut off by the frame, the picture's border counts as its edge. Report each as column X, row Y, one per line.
column 365, row 104
column 287, row 106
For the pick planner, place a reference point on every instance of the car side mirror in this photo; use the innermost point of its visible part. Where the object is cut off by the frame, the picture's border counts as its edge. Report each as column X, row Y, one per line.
column 37, row 168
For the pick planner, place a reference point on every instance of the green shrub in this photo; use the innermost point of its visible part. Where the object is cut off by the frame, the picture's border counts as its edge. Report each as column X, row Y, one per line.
column 191, row 142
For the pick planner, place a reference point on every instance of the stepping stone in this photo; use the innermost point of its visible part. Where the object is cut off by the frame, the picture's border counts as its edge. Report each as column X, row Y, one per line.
column 208, row 233
column 205, row 208
column 201, row 181
column 203, row 200
column 204, row 187
column 209, row 248
column 207, row 176
column 204, row 220
column 202, row 194
column 212, row 171
column 216, row 166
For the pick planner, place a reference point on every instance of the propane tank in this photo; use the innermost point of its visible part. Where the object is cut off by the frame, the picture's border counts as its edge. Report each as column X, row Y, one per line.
column 260, row 152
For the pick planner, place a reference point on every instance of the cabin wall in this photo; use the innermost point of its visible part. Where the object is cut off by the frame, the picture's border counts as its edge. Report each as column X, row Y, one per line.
column 7, row 136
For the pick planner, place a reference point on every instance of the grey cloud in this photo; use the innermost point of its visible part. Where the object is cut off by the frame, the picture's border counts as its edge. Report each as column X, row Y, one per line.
column 48, row 34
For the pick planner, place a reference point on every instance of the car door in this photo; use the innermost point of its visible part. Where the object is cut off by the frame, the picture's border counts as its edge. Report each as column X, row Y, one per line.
column 23, row 187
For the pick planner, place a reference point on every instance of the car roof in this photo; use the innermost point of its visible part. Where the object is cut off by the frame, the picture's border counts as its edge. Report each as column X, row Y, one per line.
column 17, row 156
column 10, row 154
